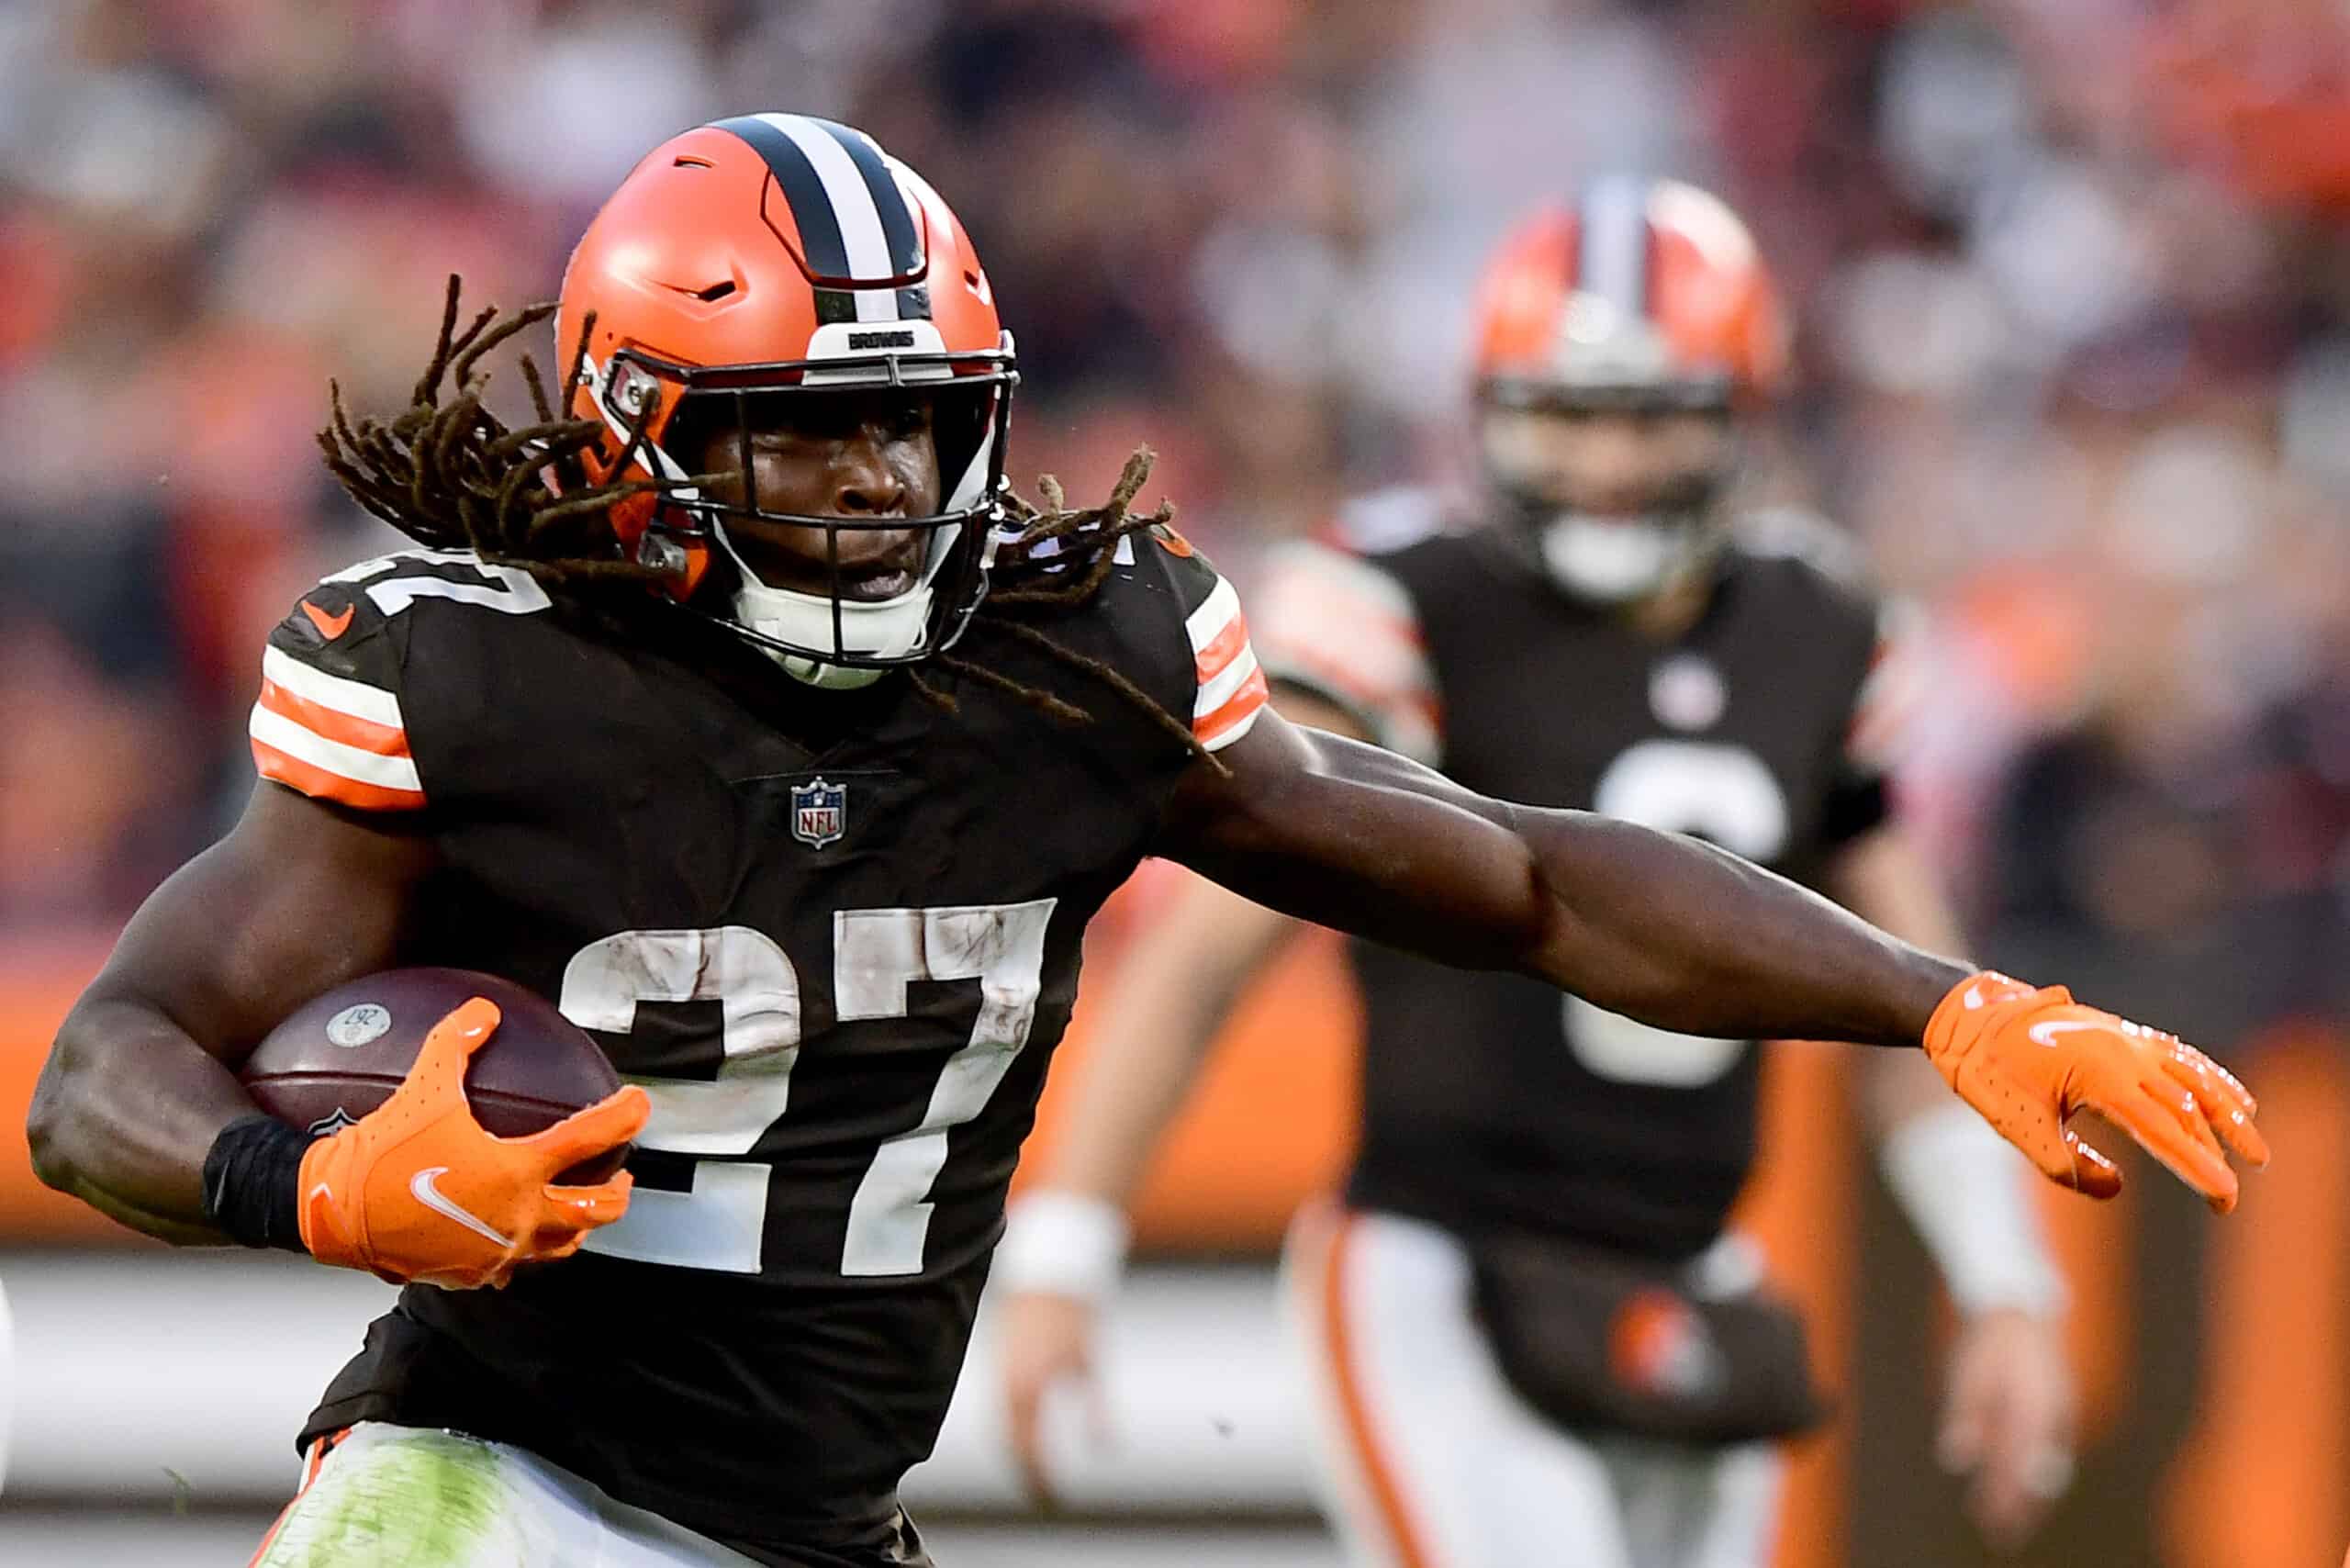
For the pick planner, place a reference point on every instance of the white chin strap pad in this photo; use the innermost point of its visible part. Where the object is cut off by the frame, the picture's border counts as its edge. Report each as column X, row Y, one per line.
column 883, row 628
column 827, row 677
column 1614, row 561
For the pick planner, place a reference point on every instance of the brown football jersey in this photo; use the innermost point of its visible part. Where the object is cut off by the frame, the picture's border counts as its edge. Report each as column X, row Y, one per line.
column 1490, row 1100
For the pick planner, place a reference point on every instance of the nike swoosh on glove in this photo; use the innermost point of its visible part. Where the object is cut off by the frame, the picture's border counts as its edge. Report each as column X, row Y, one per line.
column 2026, row 1057
column 418, row 1189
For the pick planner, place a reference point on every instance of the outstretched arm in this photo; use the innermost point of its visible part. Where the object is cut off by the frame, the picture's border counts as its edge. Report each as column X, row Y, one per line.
column 1682, row 936
column 1662, row 928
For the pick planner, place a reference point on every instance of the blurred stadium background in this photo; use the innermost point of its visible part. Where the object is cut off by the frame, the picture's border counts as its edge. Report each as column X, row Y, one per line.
column 2075, row 327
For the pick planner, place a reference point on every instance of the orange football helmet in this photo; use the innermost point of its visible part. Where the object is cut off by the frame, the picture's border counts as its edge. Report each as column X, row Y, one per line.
column 1643, row 297
column 779, row 253
column 1643, row 292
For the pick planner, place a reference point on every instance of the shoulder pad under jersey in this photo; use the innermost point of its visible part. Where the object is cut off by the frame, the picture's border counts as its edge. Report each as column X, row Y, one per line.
column 1378, row 522
column 330, row 720
column 1798, row 533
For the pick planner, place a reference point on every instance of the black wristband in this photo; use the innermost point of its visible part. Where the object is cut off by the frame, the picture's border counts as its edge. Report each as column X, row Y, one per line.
column 253, row 1183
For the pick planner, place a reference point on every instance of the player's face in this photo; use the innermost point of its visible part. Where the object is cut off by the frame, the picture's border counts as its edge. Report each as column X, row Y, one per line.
column 863, row 456
column 1611, row 463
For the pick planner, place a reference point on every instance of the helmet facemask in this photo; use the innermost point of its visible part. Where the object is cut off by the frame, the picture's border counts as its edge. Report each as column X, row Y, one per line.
column 821, row 621
column 1645, row 517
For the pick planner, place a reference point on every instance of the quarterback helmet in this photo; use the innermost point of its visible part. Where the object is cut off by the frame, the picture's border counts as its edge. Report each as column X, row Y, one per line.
column 1643, row 297
column 780, row 255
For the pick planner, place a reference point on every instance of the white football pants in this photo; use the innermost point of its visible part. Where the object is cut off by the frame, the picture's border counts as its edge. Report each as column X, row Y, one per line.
column 392, row 1497
column 1428, row 1459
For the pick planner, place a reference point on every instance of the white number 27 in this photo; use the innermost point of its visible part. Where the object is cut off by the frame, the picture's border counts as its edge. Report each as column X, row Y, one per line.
column 877, row 953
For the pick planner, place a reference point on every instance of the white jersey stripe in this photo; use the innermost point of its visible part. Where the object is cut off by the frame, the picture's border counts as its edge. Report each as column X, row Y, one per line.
column 1207, row 623
column 1346, row 628
column 357, row 699
column 1231, row 678
column 1225, row 737
column 304, row 744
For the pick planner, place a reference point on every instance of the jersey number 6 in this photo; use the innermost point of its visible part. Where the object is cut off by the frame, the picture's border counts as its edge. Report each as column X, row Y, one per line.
column 875, row 954
column 1723, row 793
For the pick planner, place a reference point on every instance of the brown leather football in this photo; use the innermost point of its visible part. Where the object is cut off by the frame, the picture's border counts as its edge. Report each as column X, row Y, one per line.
column 340, row 1055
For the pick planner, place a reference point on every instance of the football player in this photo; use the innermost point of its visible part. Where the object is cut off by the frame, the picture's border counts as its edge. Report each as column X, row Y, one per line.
column 733, row 703
column 1610, row 637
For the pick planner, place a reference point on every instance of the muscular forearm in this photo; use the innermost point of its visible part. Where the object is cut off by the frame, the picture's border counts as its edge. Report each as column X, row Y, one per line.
column 1886, row 880
column 1682, row 936
column 126, row 1111
column 1660, row 928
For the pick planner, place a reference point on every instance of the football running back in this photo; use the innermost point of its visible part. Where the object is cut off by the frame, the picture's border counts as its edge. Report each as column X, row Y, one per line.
column 734, row 704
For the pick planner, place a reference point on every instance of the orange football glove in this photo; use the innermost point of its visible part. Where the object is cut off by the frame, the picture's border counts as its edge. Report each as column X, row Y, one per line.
column 2028, row 1058
column 419, row 1190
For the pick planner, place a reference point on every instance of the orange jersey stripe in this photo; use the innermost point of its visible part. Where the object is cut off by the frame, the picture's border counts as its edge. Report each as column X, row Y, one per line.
column 361, row 734
column 1223, row 648
column 1239, row 706
column 316, row 781
column 319, row 1448
column 1385, row 1494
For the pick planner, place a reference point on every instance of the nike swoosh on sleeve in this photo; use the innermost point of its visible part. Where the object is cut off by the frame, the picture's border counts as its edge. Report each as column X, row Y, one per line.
column 329, row 626
column 2041, row 1033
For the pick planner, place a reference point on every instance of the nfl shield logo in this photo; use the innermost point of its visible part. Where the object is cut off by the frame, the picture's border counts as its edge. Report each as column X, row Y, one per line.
column 818, row 813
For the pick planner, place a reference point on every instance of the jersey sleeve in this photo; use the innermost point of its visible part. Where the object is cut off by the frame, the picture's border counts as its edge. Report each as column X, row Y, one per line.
column 329, row 722
column 1229, row 683
column 1335, row 625
column 1884, row 715
column 1226, row 687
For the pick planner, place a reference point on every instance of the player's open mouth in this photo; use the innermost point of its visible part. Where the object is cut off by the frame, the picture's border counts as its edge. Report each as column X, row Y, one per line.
column 867, row 585
column 871, row 565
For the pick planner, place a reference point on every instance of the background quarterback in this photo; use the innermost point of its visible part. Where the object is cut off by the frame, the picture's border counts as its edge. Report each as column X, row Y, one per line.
column 758, row 541
column 1611, row 634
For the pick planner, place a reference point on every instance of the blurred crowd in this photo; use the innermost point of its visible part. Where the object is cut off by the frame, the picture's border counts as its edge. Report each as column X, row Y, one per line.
column 2070, row 276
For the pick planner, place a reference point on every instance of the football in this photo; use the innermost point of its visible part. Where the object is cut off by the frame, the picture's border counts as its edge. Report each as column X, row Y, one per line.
column 340, row 1055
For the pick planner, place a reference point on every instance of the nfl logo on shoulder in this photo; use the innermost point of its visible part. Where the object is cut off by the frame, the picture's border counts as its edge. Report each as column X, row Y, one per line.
column 818, row 813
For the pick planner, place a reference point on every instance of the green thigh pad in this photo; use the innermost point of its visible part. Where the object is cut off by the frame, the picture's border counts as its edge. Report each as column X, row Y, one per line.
column 417, row 1499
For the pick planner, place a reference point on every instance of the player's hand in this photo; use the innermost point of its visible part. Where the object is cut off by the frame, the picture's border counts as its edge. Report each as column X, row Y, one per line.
column 418, row 1189
column 2008, row 1421
column 1047, row 1338
column 2027, row 1058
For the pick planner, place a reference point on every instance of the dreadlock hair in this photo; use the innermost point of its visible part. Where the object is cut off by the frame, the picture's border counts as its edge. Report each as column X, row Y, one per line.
column 450, row 475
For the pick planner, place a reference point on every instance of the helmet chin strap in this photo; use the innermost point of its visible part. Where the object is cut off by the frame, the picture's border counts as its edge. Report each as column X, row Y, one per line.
column 787, row 624
column 826, row 677
column 886, row 628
